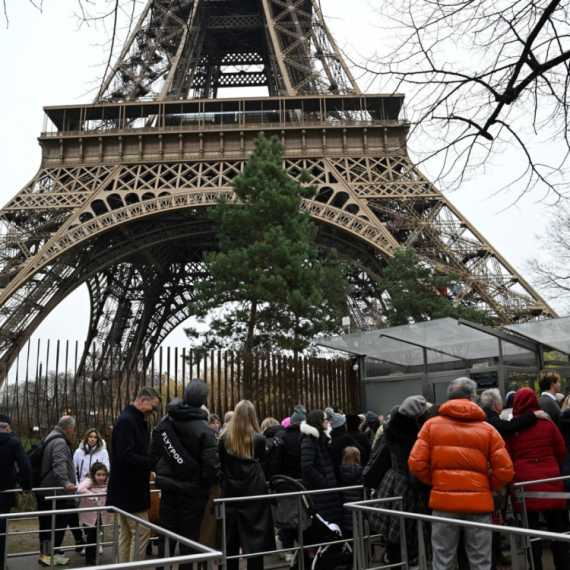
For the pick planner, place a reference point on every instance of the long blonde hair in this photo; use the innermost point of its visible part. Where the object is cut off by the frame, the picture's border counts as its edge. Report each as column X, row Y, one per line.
column 238, row 440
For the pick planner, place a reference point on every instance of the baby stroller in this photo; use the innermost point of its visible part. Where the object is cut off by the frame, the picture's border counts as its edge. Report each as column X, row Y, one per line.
column 313, row 528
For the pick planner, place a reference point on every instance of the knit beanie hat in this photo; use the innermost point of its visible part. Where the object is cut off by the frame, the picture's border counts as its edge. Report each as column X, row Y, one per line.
column 286, row 422
column 5, row 419
column 413, row 407
column 196, row 393
column 299, row 414
column 337, row 420
column 371, row 418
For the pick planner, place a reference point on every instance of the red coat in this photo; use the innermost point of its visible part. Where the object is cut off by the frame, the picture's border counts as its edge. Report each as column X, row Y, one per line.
column 537, row 453
column 462, row 457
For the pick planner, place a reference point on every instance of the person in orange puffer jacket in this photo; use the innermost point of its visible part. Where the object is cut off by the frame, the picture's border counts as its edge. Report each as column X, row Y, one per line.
column 464, row 460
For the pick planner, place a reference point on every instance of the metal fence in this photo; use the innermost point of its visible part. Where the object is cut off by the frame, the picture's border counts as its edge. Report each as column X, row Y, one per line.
column 44, row 384
column 203, row 553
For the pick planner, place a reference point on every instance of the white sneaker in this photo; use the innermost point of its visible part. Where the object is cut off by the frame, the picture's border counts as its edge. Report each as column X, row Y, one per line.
column 279, row 546
column 288, row 556
column 82, row 553
column 100, row 549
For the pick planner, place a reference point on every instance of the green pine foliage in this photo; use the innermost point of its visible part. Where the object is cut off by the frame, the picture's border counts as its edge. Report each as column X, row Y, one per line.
column 415, row 293
column 269, row 286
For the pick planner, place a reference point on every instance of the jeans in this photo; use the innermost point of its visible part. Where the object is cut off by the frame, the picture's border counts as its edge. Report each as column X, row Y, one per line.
column 445, row 538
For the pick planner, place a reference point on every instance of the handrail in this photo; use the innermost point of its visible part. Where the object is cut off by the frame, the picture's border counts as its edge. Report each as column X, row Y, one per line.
column 220, row 509
column 361, row 507
column 205, row 553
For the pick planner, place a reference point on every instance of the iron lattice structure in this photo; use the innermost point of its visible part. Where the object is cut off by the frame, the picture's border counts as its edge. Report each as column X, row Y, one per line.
column 122, row 195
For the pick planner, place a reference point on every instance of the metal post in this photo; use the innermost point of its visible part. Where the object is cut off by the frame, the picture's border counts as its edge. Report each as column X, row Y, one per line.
column 220, row 514
column 403, row 540
column 137, row 541
column 301, row 551
column 527, row 541
column 115, row 538
column 5, row 561
column 167, row 549
column 422, row 556
column 52, row 532
column 514, row 552
column 97, row 540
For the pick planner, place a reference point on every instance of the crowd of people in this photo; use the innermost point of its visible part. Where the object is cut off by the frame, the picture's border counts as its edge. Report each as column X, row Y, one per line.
column 453, row 461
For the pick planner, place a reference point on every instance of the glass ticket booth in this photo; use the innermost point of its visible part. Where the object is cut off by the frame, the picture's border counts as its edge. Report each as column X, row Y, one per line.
column 423, row 358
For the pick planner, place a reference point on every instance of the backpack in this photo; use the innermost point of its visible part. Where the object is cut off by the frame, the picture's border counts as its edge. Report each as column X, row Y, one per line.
column 36, row 455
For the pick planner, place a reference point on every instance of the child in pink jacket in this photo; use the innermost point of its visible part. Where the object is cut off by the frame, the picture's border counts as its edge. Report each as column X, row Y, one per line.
column 94, row 484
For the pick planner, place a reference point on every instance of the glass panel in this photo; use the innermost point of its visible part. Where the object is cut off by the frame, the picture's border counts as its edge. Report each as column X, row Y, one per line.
column 517, row 380
column 381, row 397
column 552, row 332
column 517, row 356
column 440, row 392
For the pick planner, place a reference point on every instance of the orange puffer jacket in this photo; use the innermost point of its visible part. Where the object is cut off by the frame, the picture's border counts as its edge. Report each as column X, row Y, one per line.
column 462, row 457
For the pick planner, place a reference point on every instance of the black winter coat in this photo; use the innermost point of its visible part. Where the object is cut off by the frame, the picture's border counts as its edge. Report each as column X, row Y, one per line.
column 291, row 455
column 197, row 437
column 251, row 520
column 12, row 452
column 129, row 477
column 340, row 440
column 363, row 441
column 318, row 472
column 350, row 475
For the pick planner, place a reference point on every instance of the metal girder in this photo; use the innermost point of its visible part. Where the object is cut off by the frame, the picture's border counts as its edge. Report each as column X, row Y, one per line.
column 187, row 49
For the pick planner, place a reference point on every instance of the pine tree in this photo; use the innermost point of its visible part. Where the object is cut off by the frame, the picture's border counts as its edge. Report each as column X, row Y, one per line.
column 269, row 286
column 416, row 294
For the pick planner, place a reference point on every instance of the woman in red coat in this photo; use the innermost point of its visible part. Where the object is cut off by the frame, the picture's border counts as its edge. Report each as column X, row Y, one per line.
column 537, row 453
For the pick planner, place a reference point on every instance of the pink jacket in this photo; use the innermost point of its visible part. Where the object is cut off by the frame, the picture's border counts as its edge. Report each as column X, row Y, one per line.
column 92, row 499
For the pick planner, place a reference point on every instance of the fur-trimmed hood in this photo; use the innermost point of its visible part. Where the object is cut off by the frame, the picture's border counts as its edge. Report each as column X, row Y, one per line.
column 310, row 430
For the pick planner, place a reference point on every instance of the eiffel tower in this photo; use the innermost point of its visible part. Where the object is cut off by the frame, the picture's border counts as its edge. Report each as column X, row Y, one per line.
column 121, row 199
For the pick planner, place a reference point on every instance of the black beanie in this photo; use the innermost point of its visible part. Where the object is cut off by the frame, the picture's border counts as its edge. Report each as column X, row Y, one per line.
column 196, row 393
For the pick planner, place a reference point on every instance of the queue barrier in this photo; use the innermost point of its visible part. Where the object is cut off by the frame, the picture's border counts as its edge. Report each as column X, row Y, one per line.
column 205, row 554
column 520, row 493
column 362, row 509
column 220, row 514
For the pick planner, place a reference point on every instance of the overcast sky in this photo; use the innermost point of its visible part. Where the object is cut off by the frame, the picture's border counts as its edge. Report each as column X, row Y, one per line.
column 46, row 60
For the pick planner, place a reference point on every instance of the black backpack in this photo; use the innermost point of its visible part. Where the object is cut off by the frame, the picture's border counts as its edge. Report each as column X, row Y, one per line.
column 36, row 455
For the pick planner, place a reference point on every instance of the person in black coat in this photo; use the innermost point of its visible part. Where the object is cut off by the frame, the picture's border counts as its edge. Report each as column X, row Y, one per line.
column 492, row 405
column 353, row 423
column 340, row 439
column 317, row 466
column 129, row 479
column 185, row 492
column 11, row 453
column 249, row 524
column 291, row 444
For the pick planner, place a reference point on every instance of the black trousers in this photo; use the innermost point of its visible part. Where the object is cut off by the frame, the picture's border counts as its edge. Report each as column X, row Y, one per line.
column 183, row 515
column 232, row 549
column 91, row 538
column 61, row 522
column 556, row 521
column 4, row 510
